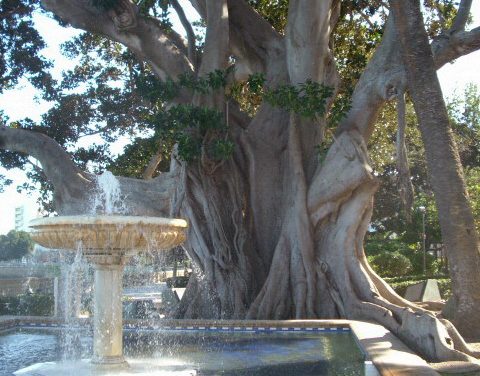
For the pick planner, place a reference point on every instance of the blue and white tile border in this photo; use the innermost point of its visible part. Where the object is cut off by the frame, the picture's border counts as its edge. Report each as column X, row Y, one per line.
column 153, row 328
column 131, row 326
column 243, row 329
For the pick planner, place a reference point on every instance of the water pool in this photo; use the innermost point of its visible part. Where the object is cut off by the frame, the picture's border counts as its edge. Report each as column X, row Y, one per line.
column 195, row 352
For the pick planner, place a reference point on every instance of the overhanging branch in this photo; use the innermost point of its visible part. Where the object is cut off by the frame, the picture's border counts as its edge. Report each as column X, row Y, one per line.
column 192, row 52
column 143, row 35
column 462, row 16
column 56, row 163
column 457, row 45
column 385, row 72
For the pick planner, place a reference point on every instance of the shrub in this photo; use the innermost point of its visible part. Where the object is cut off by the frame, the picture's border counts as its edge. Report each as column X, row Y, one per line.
column 375, row 246
column 416, row 258
column 27, row 305
column 444, row 285
column 177, row 281
column 390, row 264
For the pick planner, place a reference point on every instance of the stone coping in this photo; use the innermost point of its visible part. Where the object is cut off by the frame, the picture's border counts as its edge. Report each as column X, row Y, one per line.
column 384, row 350
column 107, row 220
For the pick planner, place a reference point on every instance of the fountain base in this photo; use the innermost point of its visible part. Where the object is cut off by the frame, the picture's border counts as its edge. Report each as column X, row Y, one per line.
column 86, row 367
column 110, row 361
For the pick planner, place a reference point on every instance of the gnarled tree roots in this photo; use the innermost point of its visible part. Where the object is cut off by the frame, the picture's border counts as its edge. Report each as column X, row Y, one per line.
column 319, row 269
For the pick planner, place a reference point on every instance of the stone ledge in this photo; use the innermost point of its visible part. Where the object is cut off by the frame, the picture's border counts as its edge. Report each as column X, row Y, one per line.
column 388, row 353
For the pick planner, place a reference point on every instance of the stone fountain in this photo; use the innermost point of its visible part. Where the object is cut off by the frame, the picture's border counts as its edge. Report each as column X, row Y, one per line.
column 107, row 241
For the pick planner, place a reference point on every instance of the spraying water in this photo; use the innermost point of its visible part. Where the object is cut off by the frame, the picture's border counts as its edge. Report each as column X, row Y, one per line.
column 74, row 280
column 108, row 197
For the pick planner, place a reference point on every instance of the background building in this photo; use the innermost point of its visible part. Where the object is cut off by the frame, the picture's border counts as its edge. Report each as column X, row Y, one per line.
column 21, row 218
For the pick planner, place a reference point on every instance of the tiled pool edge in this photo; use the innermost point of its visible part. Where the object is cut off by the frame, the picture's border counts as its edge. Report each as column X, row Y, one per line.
column 390, row 356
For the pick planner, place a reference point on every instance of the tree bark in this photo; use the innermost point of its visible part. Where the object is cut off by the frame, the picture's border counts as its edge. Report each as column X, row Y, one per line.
column 444, row 168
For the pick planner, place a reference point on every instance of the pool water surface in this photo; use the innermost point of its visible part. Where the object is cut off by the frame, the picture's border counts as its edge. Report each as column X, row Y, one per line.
column 198, row 352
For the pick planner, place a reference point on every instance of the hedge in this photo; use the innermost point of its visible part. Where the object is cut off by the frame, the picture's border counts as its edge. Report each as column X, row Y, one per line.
column 444, row 285
column 27, row 305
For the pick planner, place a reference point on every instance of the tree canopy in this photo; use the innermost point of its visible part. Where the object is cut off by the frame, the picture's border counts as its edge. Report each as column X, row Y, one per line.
column 111, row 93
column 15, row 245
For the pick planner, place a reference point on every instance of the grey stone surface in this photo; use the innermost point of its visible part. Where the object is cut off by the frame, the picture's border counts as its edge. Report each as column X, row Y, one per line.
column 424, row 291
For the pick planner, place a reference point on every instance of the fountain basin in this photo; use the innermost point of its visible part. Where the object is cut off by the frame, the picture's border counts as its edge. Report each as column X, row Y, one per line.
column 108, row 233
column 214, row 349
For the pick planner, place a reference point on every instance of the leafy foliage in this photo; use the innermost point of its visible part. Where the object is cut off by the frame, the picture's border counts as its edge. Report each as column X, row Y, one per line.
column 275, row 12
column 188, row 126
column 395, row 257
column 27, row 305
column 444, row 286
column 15, row 245
column 20, row 46
column 306, row 99
column 390, row 263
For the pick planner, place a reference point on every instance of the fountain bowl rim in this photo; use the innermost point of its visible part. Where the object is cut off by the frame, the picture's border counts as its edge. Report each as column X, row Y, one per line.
column 108, row 220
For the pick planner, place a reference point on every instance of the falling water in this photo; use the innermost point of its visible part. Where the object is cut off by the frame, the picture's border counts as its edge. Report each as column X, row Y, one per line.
column 108, row 198
column 74, row 279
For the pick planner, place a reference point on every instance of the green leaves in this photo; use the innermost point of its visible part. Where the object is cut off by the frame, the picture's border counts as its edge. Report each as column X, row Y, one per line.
column 188, row 126
column 256, row 82
column 20, row 48
column 214, row 80
column 104, row 4
column 15, row 245
column 307, row 99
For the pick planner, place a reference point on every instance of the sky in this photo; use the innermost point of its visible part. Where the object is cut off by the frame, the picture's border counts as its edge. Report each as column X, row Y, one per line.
column 22, row 102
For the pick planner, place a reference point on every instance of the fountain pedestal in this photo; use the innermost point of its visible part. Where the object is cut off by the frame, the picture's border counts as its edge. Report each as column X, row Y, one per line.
column 107, row 316
column 107, row 242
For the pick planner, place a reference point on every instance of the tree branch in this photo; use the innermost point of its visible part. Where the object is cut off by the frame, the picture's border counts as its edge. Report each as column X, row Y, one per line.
column 385, row 72
column 152, row 164
column 379, row 82
column 216, row 50
column 73, row 188
column 143, row 35
column 68, row 180
column 462, row 16
column 446, row 49
column 456, row 42
column 192, row 52
column 307, row 40
column 252, row 39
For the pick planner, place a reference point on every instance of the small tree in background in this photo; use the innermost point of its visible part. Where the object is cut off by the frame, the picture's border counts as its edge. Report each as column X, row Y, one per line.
column 15, row 245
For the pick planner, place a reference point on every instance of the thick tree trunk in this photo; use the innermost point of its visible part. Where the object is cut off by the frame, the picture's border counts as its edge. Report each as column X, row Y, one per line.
column 444, row 168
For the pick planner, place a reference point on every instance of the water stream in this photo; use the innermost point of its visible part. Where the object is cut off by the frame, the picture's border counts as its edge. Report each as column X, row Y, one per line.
column 108, row 197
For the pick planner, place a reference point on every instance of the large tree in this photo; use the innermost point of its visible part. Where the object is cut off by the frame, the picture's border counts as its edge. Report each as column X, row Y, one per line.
column 277, row 204
column 443, row 161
